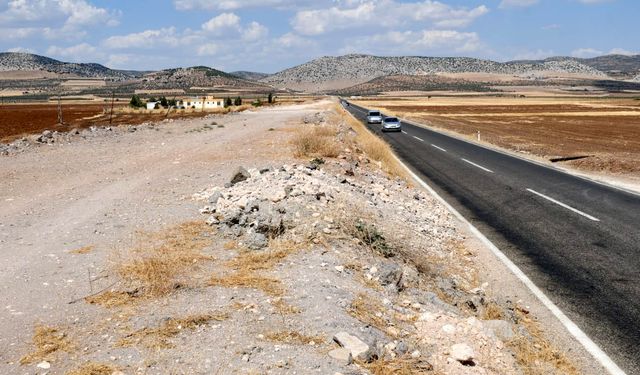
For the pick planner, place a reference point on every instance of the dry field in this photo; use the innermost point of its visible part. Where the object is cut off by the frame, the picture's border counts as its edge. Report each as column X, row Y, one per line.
column 606, row 131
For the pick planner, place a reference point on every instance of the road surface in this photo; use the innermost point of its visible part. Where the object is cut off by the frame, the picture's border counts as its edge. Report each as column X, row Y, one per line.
column 578, row 240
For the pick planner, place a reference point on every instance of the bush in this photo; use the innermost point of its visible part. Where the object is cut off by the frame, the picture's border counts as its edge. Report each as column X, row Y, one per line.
column 228, row 102
column 316, row 142
column 238, row 101
column 136, row 102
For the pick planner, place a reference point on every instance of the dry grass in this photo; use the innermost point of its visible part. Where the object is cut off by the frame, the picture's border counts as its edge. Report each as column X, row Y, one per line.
column 111, row 299
column 159, row 337
column 284, row 308
column 374, row 147
column 93, row 368
column 47, row 341
column 318, row 141
column 82, row 250
column 249, row 264
column 398, row 366
column 492, row 311
column 368, row 310
column 535, row 353
column 293, row 338
column 162, row 259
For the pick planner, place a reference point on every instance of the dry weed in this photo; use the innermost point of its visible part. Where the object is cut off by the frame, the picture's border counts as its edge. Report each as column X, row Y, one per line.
column 535, row 353
column 158, row 264
column 159, row 337
column 398, row 366
column 368, row 310
column 111, row 299
column 93, row 368
column 317, row 141
column 374, row 147
column 245, row 279
column 47, row 341
column 293, row 338
column 284, row 308
column 492, row 311
column 82, row 250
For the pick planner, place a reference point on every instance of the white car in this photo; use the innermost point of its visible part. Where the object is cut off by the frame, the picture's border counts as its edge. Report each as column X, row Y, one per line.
column 374, row 117
column 391, row 124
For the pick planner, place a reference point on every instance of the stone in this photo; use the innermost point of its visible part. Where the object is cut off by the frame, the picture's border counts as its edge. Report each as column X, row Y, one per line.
column 357, row 347
column 390, row 274
column 44, row 365
column 462, row 353
column 401, row 348
column 212, row 220
column 415, row 354
column 502, row 329
column 241, row 174
column 213, row 199
column 342, row 355
column 255, row 240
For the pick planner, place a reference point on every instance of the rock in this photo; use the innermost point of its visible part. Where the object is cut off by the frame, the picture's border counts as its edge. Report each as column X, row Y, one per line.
column 415, row 354
column 213, row 199
column 500, row 328
column 390, row 274
column 44, row 365
column 255, row 240
column 462, row 353
column 342, row 355
column 241, row 174
column 356, row 346
column 212, row 220
column 401, row 348
column 410, row 277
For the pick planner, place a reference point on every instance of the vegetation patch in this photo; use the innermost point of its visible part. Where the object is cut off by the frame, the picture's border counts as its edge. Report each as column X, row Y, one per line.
column 294, row 338
column 404, row 365
column 47, row 342
column 93, row 368
column 317, row 141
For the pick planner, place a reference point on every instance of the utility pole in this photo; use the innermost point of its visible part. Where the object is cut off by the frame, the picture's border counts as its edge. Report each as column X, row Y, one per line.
column 60, row 118
column 113, row 97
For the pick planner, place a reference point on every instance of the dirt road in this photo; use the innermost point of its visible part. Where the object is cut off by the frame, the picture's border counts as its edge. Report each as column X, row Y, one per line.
column 98, row 192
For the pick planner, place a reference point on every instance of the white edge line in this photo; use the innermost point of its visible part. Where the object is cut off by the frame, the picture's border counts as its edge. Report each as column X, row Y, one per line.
column 439, row 148
column 420, row 139
column 403, row 132
column 563, row 205
column 476, row 165
column 571, row 327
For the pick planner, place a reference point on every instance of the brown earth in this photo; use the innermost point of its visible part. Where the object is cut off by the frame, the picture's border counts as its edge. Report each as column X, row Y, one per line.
column 607, row 131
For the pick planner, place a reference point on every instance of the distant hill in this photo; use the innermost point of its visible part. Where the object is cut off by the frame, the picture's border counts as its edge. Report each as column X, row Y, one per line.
column 197, row 76
column 332, row 73
column 620, row 66
column 413, row 83
column 15, row 61
column 252, row 76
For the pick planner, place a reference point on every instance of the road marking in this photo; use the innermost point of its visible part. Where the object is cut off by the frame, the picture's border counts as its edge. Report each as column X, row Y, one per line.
column 420, row 139
column 439, row 148
column 477, row 166
column 563, row 205
column 404, row 132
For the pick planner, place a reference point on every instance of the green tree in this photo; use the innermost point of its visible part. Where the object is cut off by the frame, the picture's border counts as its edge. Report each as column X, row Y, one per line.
column 238, row 101
column 152, row 99
column 270, row 98
column 164, row 102
column 228, row 102
column 257, row 103
column 136, row 102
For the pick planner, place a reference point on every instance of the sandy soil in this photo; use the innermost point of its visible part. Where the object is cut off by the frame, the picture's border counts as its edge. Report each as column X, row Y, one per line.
column 98, row 192
column 606, row 131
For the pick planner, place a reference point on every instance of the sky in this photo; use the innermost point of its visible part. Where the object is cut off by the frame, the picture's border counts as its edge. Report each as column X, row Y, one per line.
column 271, row 35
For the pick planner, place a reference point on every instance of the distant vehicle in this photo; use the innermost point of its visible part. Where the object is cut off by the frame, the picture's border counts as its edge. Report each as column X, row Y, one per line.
column 391, row 124
column 374, row 117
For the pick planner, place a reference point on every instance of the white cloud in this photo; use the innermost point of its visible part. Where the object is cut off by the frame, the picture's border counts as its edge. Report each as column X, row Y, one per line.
column 385, row 13
column 82, row 51
column 517, row 3
column 72, row 13
column 417, row 42
column 622, row 51
column 146, row 39
column 254, row 31
column 222, row 23
column 538, row 54
column 238, row 4
column 586, row 52
column 209, row 49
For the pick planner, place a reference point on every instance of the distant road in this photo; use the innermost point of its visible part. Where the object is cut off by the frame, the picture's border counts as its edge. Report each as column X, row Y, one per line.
column 578, row 240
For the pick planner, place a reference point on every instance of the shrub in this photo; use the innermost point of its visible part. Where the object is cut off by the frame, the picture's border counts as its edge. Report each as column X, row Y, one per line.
column 136, row 102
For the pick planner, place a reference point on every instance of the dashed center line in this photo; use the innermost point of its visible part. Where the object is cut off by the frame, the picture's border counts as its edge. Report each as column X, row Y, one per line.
column 564, row 205
column 439, row 148
column 477, row 166
column 420, row 139
column 404, row 132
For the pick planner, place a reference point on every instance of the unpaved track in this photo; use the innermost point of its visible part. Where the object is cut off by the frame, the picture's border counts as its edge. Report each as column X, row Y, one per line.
column 99, row 192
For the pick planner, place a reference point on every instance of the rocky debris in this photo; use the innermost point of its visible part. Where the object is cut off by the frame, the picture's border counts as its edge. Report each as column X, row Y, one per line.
column 342, row 355
column 501, row 328
column 354, row 345
column 44, row 365
column 463, row 354
column 239, row 175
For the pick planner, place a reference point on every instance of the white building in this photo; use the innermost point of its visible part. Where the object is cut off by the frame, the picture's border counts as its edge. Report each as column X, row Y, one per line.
column 152, row 105
column 201, row 102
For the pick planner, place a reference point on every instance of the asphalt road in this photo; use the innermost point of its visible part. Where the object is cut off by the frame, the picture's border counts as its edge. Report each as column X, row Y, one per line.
column 579, row 241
